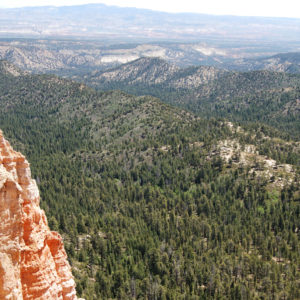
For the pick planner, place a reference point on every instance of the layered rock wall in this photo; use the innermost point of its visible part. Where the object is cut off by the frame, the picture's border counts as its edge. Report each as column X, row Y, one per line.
column 33, row 262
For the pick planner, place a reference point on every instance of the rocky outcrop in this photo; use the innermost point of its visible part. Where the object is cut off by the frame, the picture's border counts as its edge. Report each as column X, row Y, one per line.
column 33, row 262
column 9, row 69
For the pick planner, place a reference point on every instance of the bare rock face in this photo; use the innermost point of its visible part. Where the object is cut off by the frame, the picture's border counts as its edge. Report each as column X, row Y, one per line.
column 33, row 262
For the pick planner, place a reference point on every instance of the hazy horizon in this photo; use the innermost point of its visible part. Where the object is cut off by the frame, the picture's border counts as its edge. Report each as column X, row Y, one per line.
column 255, row 8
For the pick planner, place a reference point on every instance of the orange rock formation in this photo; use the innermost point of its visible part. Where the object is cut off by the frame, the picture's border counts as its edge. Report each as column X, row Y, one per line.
column 33, row 262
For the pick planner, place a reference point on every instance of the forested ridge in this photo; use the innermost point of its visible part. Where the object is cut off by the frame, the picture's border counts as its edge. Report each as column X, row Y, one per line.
column 265, row 96
column 155, row 202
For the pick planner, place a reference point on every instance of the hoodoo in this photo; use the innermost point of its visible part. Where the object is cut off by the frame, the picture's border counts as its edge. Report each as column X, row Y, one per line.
column 33, row 261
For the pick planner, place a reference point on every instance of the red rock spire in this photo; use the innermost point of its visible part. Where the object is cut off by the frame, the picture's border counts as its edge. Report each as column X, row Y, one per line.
column 33, row 262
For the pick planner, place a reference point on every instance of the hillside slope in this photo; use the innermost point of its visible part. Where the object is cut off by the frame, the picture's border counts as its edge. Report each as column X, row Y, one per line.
column 153, row 201
column 282, row 62
column 152, row 72
column 264, row 96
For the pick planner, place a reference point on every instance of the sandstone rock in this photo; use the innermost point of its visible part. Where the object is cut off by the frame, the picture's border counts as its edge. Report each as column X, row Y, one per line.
column 33, row 262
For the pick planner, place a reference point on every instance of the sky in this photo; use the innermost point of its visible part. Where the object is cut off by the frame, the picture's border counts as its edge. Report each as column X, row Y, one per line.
column 267, row 8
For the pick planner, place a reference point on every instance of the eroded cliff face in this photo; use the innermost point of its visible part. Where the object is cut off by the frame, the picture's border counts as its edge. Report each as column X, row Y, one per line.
column 33, row 262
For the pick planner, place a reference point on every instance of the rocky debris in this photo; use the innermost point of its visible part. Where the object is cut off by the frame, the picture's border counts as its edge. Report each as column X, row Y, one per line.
column 33, row 262
column 292, row 108
column 231, row 151
column 8, row 68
